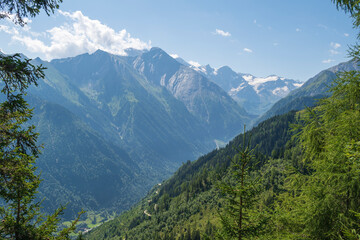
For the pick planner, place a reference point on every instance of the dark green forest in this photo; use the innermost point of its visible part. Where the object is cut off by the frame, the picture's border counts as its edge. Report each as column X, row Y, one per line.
column 293, row 176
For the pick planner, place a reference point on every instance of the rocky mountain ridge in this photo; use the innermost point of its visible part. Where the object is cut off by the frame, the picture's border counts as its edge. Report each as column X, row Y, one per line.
column 255, row 94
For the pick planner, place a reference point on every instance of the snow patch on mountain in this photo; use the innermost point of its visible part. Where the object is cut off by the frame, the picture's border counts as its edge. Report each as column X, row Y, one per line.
column 256, row 81
column 281, row 91
column 233, row 91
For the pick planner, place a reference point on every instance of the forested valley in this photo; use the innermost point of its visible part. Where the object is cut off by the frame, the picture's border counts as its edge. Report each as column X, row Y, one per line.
column 295, row 175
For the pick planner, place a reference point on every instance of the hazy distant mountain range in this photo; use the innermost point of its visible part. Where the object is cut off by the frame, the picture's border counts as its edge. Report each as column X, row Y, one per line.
column 255, row 94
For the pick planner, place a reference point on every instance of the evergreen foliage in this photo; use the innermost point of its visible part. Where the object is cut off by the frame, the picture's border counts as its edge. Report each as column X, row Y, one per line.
column 20, row 216
column 239, row 219
column 18, row 152
column 30, row 8
column 323, row 201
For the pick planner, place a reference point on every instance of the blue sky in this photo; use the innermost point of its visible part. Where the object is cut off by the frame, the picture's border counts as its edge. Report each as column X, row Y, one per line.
column 293, row 39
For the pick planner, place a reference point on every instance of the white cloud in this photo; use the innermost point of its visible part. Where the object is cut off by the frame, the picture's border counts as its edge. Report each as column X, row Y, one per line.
column 195, row 64
column 276, row 44
column 322, row 26
column 335, row 45
column 247, row 50
column 298, row 30
column 9, row 30
column 346, row 34
column 222, row 33
column 333, row 52
column 80, row 35
column 174, row 55
column 328, row 61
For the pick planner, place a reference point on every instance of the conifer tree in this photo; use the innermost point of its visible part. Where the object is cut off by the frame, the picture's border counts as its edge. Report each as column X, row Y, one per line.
column 324, row 201
column 20, row 214
column 330, row 140
column 240, row 218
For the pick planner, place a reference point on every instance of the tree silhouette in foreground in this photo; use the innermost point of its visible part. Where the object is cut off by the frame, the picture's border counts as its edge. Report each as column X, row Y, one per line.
column 20, row 214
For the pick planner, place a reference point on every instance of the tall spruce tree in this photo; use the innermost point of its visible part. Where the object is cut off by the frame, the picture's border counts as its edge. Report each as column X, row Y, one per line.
column 20, row 214
column 240, row 218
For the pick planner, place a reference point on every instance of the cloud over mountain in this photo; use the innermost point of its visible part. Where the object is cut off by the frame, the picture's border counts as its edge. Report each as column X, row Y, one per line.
column 79, row 34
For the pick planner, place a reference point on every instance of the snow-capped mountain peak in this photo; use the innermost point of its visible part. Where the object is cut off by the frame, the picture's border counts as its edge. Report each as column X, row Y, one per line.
column 256, row 94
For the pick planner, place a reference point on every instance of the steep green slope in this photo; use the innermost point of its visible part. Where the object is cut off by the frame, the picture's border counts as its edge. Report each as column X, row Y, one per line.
column 185, row 206
column 154, row 127
column 57, row 88
column 79, row 167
